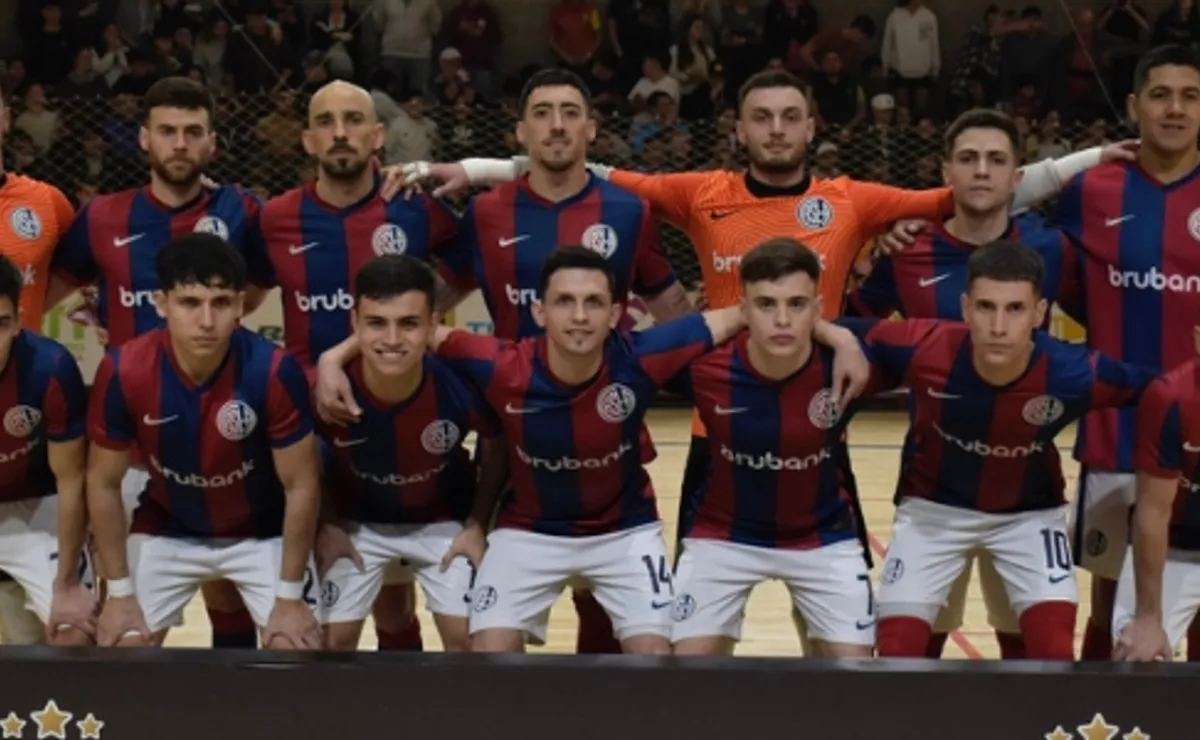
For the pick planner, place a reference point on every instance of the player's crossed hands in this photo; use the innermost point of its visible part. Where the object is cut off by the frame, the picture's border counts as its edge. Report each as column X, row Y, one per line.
column 73, row 605
column 120, row 620
column 292, row 626
column 1143, row 641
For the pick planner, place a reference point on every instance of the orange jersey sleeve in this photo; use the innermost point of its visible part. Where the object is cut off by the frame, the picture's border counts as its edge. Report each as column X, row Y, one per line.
column 879, row 206
column 672, row 196
column 35, row 216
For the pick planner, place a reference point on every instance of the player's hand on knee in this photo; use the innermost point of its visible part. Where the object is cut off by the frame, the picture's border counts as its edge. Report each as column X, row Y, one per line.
column 1122, row 151
column 292, row 622
column 72, row 606
column 333, row 544
column 120, row 619
column 453, row 177
column 469, row 543
column 1143, row 641
column 901, row 237
column 335, row 397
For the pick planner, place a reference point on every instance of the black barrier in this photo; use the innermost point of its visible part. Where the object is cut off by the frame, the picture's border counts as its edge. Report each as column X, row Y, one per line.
column 186, row 694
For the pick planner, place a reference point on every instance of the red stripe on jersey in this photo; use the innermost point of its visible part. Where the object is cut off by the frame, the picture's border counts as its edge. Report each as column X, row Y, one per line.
column 227, row 505
column 600, row 491
column 575, row 219
column 116, row 269
column 416, row 459
column 1001, row 479
column 495, row 219
column 289, row 269
column 720, row 494
column 152, row 519
column 794, row 505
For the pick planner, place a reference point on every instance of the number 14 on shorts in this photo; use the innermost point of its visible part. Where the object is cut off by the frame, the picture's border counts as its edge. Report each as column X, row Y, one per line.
column 660, row 581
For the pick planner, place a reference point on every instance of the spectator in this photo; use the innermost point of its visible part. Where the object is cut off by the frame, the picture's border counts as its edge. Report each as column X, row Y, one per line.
column 654, row 79
column 839, row 99
column 51, row 49
column 38, row 122
column 452, row 79
column 980, row 54
column 288, row 15
column 121, row 128
column 603, row 81
column 209, row 54
column 335, row 33
column 412, row 135
column 790, row 24
column 406, row 47
column 574, row 29
column 170, row 15
column 381, row 87
column 167, row 59
column 91, row 162
column 260, row 56
column 462, row 133
column 637, row 28
column 1026, row 52
column 15, row 82
column 912, row 57
column 693, row 64
column 1050, row 143
column 83, row 81
column 1078, row 68
column 473, row 27
column 1178, row 24
column 849, row 42
column 1026, row 103
column 825, row 163
column 280, row 130
column 741, row 45
column 664, row 121
column 316, row 73
column 1124, row 21
column 136, row 18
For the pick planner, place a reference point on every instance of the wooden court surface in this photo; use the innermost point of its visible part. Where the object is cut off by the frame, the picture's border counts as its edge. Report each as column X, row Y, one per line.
column 875, row 439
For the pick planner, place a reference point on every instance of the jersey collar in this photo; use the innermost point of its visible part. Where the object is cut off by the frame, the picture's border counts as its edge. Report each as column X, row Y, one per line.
column 760, row 189
column 524, row 187
column 154, row 201
column 311, row 190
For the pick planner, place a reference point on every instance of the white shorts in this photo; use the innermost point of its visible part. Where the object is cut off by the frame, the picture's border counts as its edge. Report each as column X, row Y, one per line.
column 29, row 550
column 348, row 594
column 132, row 486
column 523, row 573
column 830, row 585
column 1000, row 614
column 1180, row 595
column 1100, row 521
column 18, row 625
column 168, row 571
column 931, row 543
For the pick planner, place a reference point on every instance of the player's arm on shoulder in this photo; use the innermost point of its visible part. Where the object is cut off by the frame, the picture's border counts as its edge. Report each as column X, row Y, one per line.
column 672, row 196
column 456, row 264
column 654, row 279
column 474, row 356
column 64, row 410
column 891, row 344
column 876, row 206
column 1044, row 180
column 111, row 434
column 73, row 264
column 851, row 368
column 877, row 295
column 1116, row 383
column 665, row 349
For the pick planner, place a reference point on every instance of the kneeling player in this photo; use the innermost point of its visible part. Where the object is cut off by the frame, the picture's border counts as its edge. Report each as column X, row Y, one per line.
column 42, row 465
column 980, row 468
column 401, row 481
column 778, row 503
column 1158, row 594
column 222, row 417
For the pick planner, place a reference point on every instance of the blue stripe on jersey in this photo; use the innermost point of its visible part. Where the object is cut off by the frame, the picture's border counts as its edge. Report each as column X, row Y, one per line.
column 755, row 491
column 947, row 291
column 324, row 277
column 185, row 503
column 555, row 433
column 33, row 374
column 451, row 404
column 615, row 210
column 964, row 468
column 541, row 224
column 633, row 472
column 145, row 218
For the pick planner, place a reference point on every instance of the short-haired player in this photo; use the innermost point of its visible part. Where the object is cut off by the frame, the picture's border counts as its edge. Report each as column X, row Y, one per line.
column 222, row 417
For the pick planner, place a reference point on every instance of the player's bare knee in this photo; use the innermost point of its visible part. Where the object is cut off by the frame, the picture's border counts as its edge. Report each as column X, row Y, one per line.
column 455, row 633
column 342, row 636
column 704, row 646
column 498, row 641
column 646, row 645
column 825, row 649
column 71, row 637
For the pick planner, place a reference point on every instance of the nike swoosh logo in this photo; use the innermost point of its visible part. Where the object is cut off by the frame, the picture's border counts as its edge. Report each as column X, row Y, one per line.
column 865, row 625
column 151, row 422
column 661, row 604
column 721, row 411
column 938, row 394
column 120, row 241
column 718, row 215
column 926, row 282
column 1118, row 219
column 1190, row 448
column 505, row 243
column 344, row 443
column 510, row 409
column 302, row 248
column 1059, row 579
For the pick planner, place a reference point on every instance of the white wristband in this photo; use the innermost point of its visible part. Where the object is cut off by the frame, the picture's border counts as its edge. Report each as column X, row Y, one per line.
column 120, row 588
column 290, row 590
column 482, row 171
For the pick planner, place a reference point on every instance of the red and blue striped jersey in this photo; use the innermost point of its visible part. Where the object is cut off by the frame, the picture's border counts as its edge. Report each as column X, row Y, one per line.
column 313, row 250
column 1168, row 446
column 404, row 463
column 780, row 472
column 1139, row 275
column 208, row 447
column 43, row 399
column 977, row 446
column 927, row 279
column 508, row 232
column 576, row 452
column 115, row 239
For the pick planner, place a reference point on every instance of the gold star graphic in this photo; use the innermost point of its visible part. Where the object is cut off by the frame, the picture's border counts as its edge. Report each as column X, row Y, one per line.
column 89, row 727
column 1136, row 734
column 1099, row 729
column 13, row 725
column 51, row 721
column 1058, row 734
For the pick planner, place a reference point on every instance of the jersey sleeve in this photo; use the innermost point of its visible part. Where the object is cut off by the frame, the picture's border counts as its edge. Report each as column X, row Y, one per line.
column 110, row 422
column 289, row 411
column 1069, row 217
column 473, row 355
column 64, row 406
column 73, row 258
column 1116, row 383
column 456, row 261
column 259, row 269
column 891, row 344
column 1158, row 449
column 672, row 196
column 878, row 295
column 877, row 206
column 443, row 225
column 481, row 417
column 664, row 350
column 652, row 272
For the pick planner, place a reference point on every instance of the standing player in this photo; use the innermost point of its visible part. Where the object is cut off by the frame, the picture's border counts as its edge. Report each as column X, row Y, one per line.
column 400, row 482
column 507, row 234
column 312, row 240
column 1137, row 227
column 42, row 467
column 980, row 468
column 1158, row 594
column 113, row 243
column 926, row 280
column 222, row 416
column 779, row 500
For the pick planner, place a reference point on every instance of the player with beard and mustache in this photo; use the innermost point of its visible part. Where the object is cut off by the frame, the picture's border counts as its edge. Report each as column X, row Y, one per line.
column 311, row 241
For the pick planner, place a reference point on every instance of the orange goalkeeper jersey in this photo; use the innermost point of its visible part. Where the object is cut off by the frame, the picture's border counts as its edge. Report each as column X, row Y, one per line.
column 725, row 214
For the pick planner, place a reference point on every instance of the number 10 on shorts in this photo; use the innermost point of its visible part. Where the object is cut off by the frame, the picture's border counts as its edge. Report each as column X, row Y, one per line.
column 1058, row 554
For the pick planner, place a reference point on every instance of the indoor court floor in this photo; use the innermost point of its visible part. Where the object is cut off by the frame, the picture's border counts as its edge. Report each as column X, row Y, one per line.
column 875, row 439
